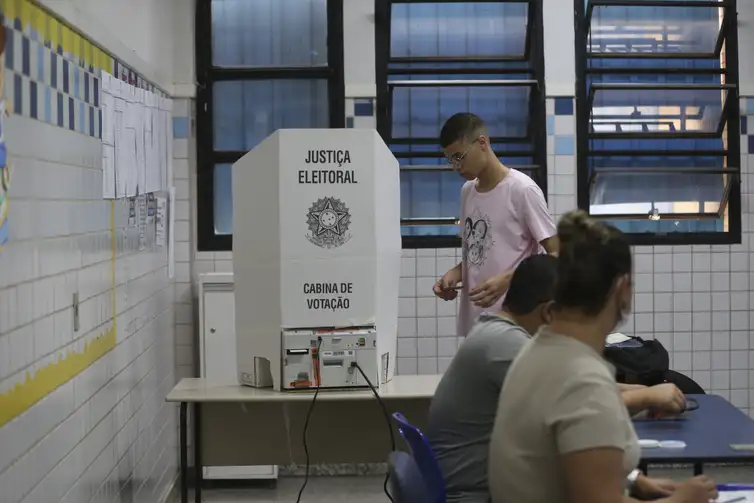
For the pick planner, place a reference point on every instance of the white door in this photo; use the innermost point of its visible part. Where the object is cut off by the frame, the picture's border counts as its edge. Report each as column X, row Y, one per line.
column 220, row 337
column 220, row 366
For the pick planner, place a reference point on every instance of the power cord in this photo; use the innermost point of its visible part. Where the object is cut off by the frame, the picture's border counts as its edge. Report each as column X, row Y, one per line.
column 318, row 382
column 387, row 421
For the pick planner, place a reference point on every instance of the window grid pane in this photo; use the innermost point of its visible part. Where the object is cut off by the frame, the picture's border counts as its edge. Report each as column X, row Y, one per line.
column 246, row 112
column 462, row 29
column 648, row 31
column 223, row 199
column 269, row 33
column 420, row 112
column 653, row 29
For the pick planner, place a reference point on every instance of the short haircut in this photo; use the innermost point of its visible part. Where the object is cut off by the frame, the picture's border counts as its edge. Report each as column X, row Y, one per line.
column 461, row 126
column 592, row 255
column 532, row 284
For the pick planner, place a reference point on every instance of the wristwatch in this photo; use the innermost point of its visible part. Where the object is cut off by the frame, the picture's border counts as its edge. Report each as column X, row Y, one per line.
column 631, row 481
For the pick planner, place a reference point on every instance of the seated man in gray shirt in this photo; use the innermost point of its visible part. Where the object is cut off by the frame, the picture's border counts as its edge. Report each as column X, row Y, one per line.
column 462, row 413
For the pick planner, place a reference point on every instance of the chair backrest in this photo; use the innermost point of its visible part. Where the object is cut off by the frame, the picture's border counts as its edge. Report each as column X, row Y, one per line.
column 424, row 456
column 406, row 481
column 687, row 385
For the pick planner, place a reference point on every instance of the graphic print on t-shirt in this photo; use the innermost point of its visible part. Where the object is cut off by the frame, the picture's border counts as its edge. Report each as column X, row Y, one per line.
column 477, row 239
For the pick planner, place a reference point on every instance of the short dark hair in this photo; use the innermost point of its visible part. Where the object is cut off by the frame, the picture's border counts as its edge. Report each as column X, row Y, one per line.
column 532, row 284
column 592, row 256
column 461, row 126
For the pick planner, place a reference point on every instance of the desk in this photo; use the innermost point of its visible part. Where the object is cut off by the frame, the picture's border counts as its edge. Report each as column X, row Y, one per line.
column 349, row 427
column 252, row 426
column 708, row 433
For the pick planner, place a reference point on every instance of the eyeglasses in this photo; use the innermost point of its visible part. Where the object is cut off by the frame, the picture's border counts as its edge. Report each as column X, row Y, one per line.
column 457, row 159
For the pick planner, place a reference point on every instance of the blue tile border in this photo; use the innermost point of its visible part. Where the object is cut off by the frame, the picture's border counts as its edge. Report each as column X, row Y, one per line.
column 564, row 106
column 363, row 107
column 180, row 127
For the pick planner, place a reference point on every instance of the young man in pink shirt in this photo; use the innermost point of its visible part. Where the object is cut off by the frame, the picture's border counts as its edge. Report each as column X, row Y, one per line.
column 504, row 219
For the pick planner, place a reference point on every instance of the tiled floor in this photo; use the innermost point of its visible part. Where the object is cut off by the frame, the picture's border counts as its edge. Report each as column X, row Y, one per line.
column 369, row 489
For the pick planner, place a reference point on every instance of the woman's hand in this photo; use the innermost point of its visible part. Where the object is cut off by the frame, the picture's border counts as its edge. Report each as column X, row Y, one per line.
column 700, row 489
column 651, row 488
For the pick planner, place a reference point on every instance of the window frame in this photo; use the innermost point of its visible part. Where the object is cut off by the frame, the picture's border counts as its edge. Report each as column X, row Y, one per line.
column 730, row 114
column 533, row 54
column 207, row 75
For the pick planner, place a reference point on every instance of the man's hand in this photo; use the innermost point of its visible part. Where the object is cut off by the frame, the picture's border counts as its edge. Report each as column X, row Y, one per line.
column 445, row 288
column 697, row 490
column 488, row 292
column 648, row 488
column 665, row 400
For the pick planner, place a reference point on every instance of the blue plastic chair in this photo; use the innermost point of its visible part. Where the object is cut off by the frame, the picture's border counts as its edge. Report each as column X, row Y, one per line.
column 406, row 482
column 424, row 456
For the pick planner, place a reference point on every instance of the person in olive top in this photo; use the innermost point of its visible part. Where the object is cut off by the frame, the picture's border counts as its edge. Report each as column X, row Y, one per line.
column 562, row 433
column 463, row 409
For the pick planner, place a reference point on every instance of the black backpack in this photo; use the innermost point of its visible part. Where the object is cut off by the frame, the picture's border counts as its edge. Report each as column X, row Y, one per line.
column 647, row 363
column 639, row 362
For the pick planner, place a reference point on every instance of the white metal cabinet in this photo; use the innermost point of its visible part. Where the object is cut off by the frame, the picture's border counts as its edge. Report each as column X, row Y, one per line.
column 217, row 353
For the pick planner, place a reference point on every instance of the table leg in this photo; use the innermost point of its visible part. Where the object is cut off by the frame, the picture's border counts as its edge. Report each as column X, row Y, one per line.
column 198, row 468
column 698, row 469
column 183, row 427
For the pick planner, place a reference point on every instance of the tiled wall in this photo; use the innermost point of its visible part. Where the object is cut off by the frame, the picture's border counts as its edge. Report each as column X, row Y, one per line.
column 82, row 411
column 561, row 159
column 184, row 174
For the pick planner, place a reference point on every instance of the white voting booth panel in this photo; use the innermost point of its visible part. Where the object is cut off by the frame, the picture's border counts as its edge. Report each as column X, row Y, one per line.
column 316, row 245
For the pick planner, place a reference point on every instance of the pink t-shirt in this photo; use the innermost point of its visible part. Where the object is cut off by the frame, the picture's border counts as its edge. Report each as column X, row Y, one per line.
column 499, row 229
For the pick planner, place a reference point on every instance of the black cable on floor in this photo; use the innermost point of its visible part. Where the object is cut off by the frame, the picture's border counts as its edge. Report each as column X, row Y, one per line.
column 387, row 421
column 317, row 378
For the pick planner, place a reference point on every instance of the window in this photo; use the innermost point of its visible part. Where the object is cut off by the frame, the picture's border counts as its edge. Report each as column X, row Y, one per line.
column 435, row 59
column 265, row 65
column 658, row 118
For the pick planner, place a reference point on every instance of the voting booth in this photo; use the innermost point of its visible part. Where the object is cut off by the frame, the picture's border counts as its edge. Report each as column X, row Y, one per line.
column 316, row 259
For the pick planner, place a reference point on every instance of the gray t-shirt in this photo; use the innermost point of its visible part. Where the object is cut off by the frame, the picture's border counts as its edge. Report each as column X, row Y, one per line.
column 463, row 409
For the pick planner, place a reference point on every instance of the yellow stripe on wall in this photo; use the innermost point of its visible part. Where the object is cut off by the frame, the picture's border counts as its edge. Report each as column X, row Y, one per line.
column 66, row 35
column 25, row 15
column 54, row 32
column 107, row 63
column 47, row 379
column 86, row 52
column 10, row 9
column 75, row 49
column 40, row 23
column 23, row 395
